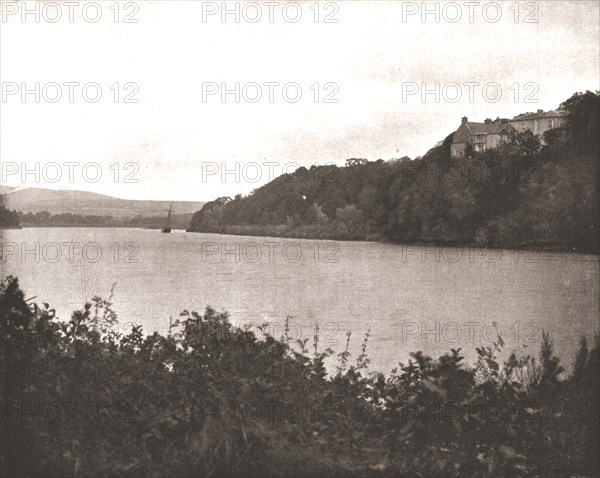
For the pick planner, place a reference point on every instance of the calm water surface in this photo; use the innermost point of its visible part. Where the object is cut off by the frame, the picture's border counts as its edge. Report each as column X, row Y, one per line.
column 411, row 299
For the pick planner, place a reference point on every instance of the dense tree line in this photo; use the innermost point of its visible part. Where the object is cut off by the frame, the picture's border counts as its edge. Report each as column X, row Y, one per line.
column 45, row 219
column 8, row 218
column 526, row 193
column 80, row 398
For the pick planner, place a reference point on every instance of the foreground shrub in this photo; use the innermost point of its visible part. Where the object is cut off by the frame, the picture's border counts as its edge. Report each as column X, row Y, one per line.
column 80, row 399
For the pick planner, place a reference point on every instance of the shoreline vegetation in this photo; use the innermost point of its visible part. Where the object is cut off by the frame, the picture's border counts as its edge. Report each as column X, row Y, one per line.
column 88, row 226
column 267, row 233
column 45, row 219
column 209, row 399
column 533, row 248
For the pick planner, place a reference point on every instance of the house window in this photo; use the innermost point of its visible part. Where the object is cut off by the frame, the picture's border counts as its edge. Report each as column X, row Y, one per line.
column 550, row 123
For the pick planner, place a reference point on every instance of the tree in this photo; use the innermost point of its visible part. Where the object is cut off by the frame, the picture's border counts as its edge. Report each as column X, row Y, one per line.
column 583, row 121
column 8, row 218
column 524, row 143
column 319, row 216
column 349, row 222
column 352, row 162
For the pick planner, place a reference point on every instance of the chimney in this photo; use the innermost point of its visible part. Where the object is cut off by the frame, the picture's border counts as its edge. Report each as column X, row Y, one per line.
column 488, row 121
column 540, row 111
column 464, row 120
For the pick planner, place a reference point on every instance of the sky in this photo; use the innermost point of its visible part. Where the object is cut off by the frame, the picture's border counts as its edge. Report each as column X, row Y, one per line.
column 162, row 130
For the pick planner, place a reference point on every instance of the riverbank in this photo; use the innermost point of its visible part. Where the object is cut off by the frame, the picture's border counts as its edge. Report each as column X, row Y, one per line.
column 101, row 226
column 317, row 233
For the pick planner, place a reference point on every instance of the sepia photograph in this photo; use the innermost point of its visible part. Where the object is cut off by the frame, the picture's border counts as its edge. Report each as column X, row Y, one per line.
column 312, row 238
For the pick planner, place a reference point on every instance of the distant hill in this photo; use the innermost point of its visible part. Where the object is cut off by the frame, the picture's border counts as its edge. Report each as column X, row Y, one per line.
column 6, row 189
column 86, row 203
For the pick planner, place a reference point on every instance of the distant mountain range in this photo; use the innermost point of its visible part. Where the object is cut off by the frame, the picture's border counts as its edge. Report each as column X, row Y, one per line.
column 86, row 203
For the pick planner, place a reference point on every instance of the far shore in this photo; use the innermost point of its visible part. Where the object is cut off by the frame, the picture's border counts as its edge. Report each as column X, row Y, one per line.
column 522, row 247
column 92, row 226
column 420, row 244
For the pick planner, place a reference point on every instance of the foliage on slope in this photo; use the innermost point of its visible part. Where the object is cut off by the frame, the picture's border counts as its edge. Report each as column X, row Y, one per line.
column 523, row 194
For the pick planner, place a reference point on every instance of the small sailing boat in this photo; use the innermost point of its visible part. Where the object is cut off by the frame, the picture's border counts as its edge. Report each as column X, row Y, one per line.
column 167, row 227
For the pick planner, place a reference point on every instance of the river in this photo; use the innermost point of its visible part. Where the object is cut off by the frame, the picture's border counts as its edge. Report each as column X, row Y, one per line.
column 412, row 298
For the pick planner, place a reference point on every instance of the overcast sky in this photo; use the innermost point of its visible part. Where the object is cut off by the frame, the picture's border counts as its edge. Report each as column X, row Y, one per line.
column 369, row 57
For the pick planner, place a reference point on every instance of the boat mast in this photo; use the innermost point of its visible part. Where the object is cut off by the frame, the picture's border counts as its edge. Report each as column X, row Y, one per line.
column 169, row 217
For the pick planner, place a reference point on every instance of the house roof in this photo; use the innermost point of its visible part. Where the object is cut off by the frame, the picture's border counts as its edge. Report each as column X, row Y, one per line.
column 488, row 128
column 466, row 130
column 540, row 115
